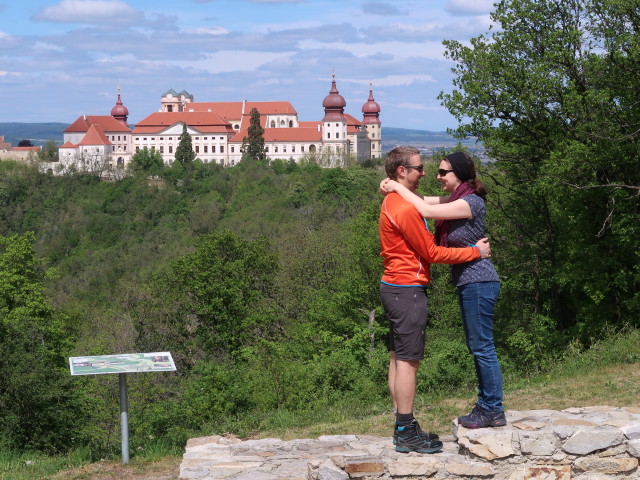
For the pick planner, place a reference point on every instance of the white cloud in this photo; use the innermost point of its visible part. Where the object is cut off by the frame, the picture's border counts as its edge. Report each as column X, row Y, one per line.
column 416, row 106
column 232, row 61
column 48, row 47
column 402, row 80
column 215, row 30
column 89, row 11
column 433, row 50
column 469, row 7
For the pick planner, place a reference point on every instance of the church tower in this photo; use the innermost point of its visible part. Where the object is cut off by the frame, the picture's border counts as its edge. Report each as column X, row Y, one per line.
column 371, row 121
column 334, row 123
column 119, row 111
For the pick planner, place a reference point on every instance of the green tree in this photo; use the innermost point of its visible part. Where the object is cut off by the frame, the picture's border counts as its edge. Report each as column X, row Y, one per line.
column 25, row 143
column 49, row 152
column 149, row 161
column 34, row 343
column 184, row 152
column 253, row 143
column 552, row 94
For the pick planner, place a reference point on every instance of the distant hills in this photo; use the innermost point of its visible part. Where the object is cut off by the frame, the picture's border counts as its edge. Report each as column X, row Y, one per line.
column 425, row 140
column 38, row 133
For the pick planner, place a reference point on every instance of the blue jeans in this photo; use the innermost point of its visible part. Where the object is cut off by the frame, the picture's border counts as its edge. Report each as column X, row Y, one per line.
column 476, row 304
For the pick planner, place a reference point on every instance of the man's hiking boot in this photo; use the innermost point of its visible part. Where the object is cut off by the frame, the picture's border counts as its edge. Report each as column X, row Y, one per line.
column 412, row 439
column 427, row 435
column 481, row 418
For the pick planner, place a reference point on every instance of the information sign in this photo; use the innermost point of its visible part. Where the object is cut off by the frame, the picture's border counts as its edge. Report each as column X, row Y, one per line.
column 122, row 363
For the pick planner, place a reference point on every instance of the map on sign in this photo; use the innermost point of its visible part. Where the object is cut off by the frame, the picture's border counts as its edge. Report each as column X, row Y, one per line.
column 123, row 363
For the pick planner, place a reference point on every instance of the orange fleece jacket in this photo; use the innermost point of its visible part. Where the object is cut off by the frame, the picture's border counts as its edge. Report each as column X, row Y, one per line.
column 408, row 247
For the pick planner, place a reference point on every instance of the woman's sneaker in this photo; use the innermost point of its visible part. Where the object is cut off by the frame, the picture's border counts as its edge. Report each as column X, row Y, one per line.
column 481, row 418
column 411, row 439
column 427, row 435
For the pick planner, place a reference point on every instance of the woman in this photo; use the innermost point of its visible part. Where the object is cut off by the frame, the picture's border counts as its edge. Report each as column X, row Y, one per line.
column 459, row 223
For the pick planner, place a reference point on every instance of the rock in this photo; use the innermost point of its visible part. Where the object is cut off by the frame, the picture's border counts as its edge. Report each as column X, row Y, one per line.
column 605, row 465
column 414, row 466
column 583, row 442
column 538, row 443
column 329, row 471
column 487, row 443
column 470, row 469
column 633, row 447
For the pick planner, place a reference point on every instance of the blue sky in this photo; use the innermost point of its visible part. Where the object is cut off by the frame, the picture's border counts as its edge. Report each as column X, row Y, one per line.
column 63, row 58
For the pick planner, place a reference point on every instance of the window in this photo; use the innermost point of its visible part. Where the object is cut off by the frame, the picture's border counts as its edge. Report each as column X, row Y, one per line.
column 213, row 149
column 328, row 134
column 137, row 149
column 293, row 149
column 170, row 148
column 290, row 123
column 273, row 124
column 275, row 149
column 169, row 108
column 196, row 138
column 118, row 140
column 302, row 148
column 337, row 134
column 206, row 149
column 266, row 149
column 161, row 148
column 221, row 148
column 197, row 148
column 233, row 149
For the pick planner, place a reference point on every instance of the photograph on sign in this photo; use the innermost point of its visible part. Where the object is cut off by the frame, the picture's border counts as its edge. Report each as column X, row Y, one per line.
column 122, row 363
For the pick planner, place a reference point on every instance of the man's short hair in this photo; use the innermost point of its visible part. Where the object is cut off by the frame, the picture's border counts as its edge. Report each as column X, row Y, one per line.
column 396, row 157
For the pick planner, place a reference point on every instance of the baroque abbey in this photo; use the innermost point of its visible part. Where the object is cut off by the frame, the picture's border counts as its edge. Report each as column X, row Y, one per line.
column 218, row 130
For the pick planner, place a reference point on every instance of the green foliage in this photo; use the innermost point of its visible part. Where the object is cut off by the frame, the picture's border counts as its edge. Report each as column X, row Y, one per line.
column 253, row 143
column 148, row 161
column 184, row 153
column 34, row 340
column 549, row 94
column 48, row 152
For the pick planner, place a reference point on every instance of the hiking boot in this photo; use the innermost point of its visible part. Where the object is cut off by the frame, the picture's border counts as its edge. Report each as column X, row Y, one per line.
column 481, row 418
column 427, row 435
column 411, row 439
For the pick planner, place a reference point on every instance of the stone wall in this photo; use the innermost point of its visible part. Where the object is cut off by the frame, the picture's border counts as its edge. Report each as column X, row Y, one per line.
column 592, row 443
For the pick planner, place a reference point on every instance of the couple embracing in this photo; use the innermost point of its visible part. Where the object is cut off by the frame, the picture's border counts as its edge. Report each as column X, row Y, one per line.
column 408, row 249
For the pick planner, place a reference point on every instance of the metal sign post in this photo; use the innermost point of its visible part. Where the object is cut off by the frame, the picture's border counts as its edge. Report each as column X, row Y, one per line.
column 123, row 364
column 124, row 417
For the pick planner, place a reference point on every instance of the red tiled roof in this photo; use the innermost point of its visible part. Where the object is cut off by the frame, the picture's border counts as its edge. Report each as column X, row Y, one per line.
column 105, row 122
column 205, row 122
column 25, row 149
column 233, row 110
column 302, row 134
column 68, row 145
column 352, row 120
column 95, row 136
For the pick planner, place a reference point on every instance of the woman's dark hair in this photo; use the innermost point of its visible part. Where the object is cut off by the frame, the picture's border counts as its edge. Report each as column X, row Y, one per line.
column 464, row 168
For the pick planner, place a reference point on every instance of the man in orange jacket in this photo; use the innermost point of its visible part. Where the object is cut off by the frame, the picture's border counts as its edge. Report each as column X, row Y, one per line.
column 408, row 249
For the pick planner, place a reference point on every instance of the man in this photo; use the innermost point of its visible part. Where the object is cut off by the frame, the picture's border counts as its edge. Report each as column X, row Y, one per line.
column 408, row 249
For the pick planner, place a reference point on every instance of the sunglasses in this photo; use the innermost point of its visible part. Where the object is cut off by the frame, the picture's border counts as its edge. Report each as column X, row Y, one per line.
column 442, row 172
column 419, row 168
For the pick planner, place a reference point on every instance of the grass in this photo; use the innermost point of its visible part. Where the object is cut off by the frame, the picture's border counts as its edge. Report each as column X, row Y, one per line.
column 607, row 374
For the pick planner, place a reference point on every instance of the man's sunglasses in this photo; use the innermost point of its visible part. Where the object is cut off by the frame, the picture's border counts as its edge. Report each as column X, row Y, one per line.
column 419, row 168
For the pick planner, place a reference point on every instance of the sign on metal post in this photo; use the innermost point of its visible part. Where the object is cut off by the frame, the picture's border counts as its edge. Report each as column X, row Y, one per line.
column 122, row 364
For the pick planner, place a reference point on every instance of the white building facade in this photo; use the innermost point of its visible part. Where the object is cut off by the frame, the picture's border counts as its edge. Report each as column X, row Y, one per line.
column 218, row 129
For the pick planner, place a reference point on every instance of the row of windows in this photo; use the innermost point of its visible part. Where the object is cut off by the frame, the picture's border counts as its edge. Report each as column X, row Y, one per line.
column 312, row 148
column 113, row 138
column 171, row 139
column 205, row 149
